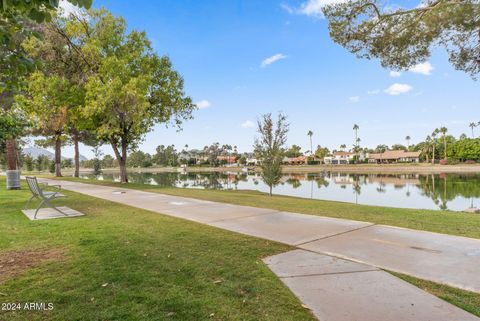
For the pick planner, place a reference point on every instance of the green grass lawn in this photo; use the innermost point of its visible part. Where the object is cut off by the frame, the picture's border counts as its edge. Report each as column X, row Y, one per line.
column 447, row 222
column 123, row 263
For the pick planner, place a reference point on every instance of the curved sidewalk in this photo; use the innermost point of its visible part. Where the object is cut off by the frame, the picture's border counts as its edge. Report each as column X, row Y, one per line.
column 437, row 257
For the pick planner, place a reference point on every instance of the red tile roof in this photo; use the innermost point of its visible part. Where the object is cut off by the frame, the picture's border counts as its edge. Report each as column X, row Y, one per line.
column 394, row 154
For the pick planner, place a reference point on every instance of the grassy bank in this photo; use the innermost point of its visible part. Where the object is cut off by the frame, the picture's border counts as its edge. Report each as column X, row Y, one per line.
column 122, row 263
column 447, row 222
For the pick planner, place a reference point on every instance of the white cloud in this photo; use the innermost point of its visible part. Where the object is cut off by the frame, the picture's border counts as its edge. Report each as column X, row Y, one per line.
column 311, row 8
column 354, row 99
column 67, row 8
column 397, row 89
column 247, row 124
column 272, row 59
column 423, row 68
column 287, row 8
column 373, row 92
column 202, row 104
column 395, row 74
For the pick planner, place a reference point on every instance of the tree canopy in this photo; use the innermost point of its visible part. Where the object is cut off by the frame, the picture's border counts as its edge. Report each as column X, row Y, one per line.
column 130, row 88
column 402, row 38
column 18, row 20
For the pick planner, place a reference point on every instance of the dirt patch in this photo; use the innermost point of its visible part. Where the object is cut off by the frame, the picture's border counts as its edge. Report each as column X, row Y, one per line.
column 16, row 262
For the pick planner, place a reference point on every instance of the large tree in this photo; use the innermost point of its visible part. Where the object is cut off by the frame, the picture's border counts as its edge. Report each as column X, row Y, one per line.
column 47, row 101
column 60, row 58
column 18, row 21
column 130, row 88
column 12, row 125
column 404, row 37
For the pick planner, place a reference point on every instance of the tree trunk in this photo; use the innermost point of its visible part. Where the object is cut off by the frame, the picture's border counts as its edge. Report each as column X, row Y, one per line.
column 76, row 156
column 270, row 190
column 445, row 146
column 11, row 154
column 123, row 172
column 433, row 155
column 121, row 159
column 58, row 156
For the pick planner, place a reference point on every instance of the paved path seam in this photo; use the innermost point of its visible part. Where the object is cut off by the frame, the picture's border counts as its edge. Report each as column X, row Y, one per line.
column 329, row 236
column 331, row 273
column 238, row 218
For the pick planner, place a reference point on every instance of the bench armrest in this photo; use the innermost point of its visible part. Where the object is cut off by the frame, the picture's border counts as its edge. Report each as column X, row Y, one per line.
column 46, row 185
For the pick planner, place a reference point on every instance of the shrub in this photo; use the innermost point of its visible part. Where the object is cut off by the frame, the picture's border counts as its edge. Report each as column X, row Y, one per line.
column 452, row 161
column 51, row 167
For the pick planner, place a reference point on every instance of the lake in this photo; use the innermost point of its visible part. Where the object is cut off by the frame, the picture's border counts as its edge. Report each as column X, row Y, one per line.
column 455, row 192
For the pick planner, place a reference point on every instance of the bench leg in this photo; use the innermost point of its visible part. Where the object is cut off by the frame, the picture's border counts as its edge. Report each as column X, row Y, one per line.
column 38, row 208
column 28, row 202
column 47, row 202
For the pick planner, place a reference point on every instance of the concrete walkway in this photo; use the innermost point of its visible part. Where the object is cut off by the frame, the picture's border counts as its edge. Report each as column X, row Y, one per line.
column 437, row 257
column 340, row 290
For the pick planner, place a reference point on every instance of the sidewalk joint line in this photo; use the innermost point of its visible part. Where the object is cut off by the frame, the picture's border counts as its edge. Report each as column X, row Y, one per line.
column 329, row 236
column 238, row 218
column 329, row 273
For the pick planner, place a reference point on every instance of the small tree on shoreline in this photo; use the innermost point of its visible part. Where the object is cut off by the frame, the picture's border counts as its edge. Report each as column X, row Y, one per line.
column 270, row 148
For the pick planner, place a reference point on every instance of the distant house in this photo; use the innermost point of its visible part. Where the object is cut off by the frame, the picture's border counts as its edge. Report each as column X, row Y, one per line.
column 394, row 156
column 300, row 160
column 227, row 159
column 339, row 158
column 251, row 161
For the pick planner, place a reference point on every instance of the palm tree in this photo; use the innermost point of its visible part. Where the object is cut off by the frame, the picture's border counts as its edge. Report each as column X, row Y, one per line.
column 356, row 148
column 356, row 128
column 408, row 142
column 444, row 131
column 434, row 135
column 310, row 134
column 426, row 147
column 342, row 147
column 472, row 126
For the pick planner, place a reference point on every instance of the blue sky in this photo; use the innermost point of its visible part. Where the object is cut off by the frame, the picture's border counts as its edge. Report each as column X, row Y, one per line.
column 219, row 46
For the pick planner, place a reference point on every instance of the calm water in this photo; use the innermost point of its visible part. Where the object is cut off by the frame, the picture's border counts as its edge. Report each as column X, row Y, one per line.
column 455, row 192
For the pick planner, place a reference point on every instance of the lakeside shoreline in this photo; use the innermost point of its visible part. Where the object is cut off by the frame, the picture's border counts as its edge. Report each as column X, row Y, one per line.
column 360, row 168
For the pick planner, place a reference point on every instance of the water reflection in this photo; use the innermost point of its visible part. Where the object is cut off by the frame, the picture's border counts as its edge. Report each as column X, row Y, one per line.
column 434, row 191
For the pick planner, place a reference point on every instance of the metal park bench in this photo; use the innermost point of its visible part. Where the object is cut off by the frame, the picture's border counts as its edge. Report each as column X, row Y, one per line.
column 44, row 196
